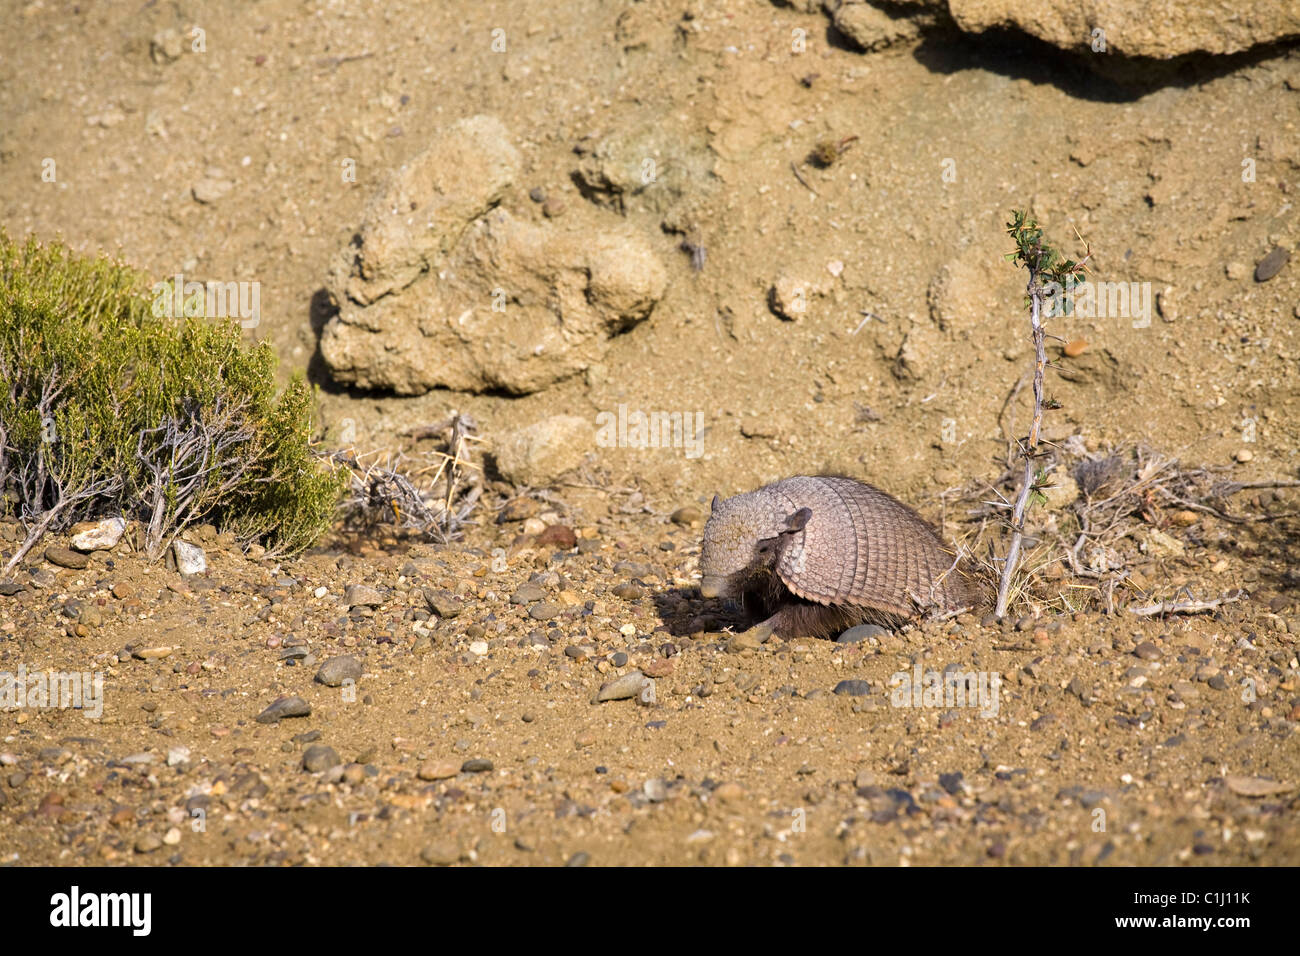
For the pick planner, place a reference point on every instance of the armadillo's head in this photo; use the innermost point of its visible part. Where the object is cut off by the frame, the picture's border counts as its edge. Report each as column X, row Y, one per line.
column 742, row 538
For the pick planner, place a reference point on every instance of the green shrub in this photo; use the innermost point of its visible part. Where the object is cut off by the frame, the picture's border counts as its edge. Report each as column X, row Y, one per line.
column 106, row 408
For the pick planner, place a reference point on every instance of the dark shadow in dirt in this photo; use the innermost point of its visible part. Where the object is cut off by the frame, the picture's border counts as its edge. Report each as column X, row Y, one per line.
column 684, row 612
column 838, row 41
column 1271, row 547
column 1121, row 80
column 321, row 311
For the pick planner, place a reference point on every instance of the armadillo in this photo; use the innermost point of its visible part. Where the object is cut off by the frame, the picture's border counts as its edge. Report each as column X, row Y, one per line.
column 814, row 555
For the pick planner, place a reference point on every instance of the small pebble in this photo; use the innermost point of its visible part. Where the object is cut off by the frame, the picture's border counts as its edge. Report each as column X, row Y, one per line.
column 282, row 708
column 66, row 558
column 1271, row 264
column 623, row 688
column 148, row 843
column 854, row 688
column 861, row 633
column 689, row 516
column 319, row 757
column 336, row 670
column 527, row 594
column 438, row 770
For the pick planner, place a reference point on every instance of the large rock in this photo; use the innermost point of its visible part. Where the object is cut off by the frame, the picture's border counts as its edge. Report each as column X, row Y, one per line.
column 871, row 28
column 1159, row 29
column 535, row 456
column 471, row 297
column 422, row 212
column 1156, row 29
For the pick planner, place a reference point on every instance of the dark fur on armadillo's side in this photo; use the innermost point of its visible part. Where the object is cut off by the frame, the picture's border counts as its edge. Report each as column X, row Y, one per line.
column 767, row 599
column 858, row 556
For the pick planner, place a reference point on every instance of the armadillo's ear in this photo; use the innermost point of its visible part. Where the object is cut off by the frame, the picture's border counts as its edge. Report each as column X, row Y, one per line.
column 797, row 520
column 713, row 508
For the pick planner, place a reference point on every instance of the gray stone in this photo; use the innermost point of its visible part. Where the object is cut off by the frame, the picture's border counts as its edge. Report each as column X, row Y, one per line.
column 1271, row 264
column 282, row 708
column 543, row 611
column 623, row 688
column 861, row 633
column 854, row 688
column 190, row 558
column 363, row 595
column 336, row 670
column 319, row 757
column 527, row 594
column 100, row 535
column 443, row 603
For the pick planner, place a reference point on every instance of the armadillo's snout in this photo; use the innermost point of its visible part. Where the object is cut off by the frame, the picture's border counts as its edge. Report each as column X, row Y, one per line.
column 712, row 585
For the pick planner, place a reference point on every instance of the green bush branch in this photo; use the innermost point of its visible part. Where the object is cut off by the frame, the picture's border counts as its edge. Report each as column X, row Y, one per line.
column 1047, row 268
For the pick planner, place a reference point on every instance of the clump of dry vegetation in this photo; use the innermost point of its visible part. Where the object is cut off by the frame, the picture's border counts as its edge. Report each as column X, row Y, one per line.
column 431, row 492
column 1081, row 524
column 1118, row 511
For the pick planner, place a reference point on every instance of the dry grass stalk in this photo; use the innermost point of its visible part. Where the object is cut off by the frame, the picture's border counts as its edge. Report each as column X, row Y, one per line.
column 432, row 492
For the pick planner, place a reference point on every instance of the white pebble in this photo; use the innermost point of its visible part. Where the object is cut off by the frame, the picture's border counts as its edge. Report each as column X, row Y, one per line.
column 190, row 558
column 478, row 647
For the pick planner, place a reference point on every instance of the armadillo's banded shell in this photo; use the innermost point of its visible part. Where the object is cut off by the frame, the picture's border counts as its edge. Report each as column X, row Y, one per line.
column 862, row 547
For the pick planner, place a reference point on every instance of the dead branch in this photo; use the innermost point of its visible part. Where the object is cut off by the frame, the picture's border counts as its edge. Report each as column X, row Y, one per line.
column 389, row 489
column 194, row 460
column 797, row 175
column 1186, row 607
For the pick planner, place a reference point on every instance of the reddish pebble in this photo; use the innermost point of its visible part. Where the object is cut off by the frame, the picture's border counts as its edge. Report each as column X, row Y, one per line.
column 658, row 668
column 559, row 536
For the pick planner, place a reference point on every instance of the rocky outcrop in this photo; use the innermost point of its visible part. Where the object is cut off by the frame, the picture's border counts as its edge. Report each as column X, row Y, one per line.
column 872, row 28
column 1155, row 29
column 442, row 287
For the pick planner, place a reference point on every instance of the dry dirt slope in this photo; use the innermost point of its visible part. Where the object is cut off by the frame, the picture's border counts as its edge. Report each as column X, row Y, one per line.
column 1145, row 720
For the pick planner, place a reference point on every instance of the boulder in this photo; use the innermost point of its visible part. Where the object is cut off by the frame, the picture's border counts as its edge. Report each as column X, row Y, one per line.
column 1159, row 30
column 474, row 298
column 535, row 456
